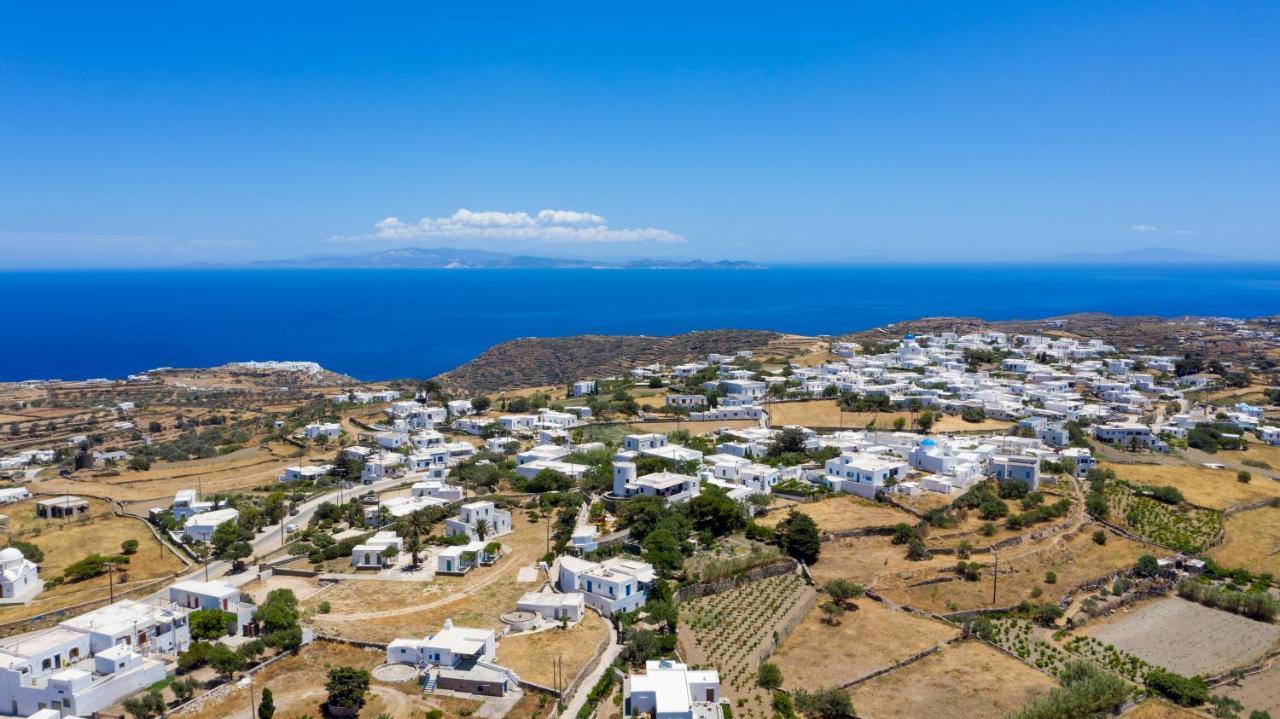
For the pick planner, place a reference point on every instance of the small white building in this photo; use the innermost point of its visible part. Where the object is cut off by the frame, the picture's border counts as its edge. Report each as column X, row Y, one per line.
column 200, row 527
column 583, row 387
column 460, row 559
column 322, row 429
column 670, row 690
column 1269, row 434
column 671, row 486
column 476, row 514
column 552, row 606
column 449, row 647
column 19, row 577
column 186, row 503
column 299, row 473
column 192, row 595
column 377, row 552
column 617, row 584
column 863, row 474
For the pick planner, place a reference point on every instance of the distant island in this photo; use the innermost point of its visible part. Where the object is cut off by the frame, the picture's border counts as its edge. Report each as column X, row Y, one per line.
column 449, row 258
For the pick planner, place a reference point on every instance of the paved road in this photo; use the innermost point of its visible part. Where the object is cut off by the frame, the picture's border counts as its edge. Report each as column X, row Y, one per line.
column 270, row 540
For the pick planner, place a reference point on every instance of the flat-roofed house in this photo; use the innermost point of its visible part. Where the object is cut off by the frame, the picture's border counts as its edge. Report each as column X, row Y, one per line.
column 670, row 690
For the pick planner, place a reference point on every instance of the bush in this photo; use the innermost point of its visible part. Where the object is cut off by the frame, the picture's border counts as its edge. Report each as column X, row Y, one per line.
column 1100, row 537
column 769, row 676
column 1086, row 691
column 1184, row 691
column 347, row 686
column 129, row 546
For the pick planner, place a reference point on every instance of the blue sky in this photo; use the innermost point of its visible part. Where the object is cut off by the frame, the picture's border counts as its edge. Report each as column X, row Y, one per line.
column 778, row 131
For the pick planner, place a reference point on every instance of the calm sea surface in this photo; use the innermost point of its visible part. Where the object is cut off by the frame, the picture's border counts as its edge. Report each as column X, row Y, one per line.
column 380, row 324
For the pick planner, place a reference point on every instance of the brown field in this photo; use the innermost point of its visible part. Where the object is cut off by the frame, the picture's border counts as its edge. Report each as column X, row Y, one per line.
column 1159, row 709
column 874, row 636
column 297, row 687
column 1186, row 637
column 825, row 413
column 1259, row 691
column 959, row 681
column 66, row 542
column 1075, row 558
column 1215, row 488
column 531, row 655
column 838, row 513
column 1252, row 541
column 870, row 561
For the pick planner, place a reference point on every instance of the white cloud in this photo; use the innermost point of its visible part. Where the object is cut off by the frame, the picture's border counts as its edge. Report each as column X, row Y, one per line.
column 545, row 226
column 1153, row 228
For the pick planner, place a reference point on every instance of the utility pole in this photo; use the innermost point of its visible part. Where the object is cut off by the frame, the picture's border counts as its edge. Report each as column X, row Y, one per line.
column 111, row 581
column 995, row 577
column 252, row 708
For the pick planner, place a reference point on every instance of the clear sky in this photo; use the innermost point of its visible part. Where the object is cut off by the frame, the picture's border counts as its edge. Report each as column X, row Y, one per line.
column 778, row 131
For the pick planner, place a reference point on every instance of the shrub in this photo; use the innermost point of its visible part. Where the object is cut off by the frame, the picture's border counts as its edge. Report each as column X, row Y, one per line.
column 347, row 686
column 1184, row 691
column 1100, row 536
column 769, row 676
column 1086, row 691
column 1050, row 577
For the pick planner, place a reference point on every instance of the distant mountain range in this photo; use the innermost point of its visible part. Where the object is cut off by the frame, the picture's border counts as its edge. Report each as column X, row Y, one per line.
column 1145, row 255
column 452, row 258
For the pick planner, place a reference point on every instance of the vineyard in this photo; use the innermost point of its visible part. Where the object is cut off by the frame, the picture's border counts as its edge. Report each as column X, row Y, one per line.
column 729, row 630
column 1180, row 526
column 1021, row 637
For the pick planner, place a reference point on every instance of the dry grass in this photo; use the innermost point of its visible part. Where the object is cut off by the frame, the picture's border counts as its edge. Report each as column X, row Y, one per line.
column 838, row 513
column 1214, row 488
column 378, row 610
column 1259, row 691
column 64, row 543
column 1252, row 541
column 531, row 655
column 871, row 561
column 297, row 686
column 959, row 681
column 825, row 413
column 874, row 636
column 1074, row 558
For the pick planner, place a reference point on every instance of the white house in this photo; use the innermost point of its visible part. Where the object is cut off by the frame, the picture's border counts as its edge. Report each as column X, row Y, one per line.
column 1269, row 434
column 669, row 485
column 377, row 552
column 187, row 503
column 518, row 422
column 1016, row 468
column 459, row 407
column 10, row 495
column 583, row 387
column 617, row 584
column 670, row 690
column 323, row 429
column 89, row 663
column 686, row 400
column 1126, row 433
column 438, row 489
column 294, row 474
column 19, row 577
column 200, row 527
column 470, row 515
column 863, row 474
column 553, row 606
column 460, row 559
column 1082, row 456
column 449, row 647
column 193, row 595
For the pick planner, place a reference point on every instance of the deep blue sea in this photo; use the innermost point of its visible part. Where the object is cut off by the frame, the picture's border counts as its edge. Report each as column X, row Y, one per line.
column 381, row 324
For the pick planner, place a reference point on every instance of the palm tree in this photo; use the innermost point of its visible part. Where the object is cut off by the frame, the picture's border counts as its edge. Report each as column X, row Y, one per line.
column 416, row 525
column 482, row 528
column 384, row 516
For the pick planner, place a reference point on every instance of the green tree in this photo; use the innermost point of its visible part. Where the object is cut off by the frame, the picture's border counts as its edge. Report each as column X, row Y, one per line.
column 843, row 590
column 226, row 661
column 209, row 624
column 1148, row 566
column 129, row 546
column 713, row 511
column 347, row 686
column 146, row 706
column 798, row 536
column 266, row 707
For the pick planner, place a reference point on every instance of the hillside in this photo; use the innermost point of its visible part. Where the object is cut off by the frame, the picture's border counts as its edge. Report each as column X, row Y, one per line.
column 536, row 362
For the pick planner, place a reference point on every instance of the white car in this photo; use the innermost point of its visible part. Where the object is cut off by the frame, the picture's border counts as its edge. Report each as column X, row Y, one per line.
column 290, row 528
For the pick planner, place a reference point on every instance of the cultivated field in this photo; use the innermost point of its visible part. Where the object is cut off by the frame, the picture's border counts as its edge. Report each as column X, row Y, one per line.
column 825, row 413
column 873, row 637
column 729, row 630
column 1252, row 541
column 838, row 513
column 1186, row 637
column 65, row 542
column 531, row 655
column 968, row 679
column 1214, row 488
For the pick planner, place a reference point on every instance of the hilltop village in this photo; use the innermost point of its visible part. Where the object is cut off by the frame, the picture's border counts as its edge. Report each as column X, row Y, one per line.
column 1030, row 521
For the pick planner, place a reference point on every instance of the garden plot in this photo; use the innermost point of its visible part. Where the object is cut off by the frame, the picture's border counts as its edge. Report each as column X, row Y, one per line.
column 838, row 513
column 969, row 679
column 1034, row 645
column 730, row 629
column 1252, row 541
column 1213, row 488
column 870, row 638
column 1182, row 527
column 1186, row 637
